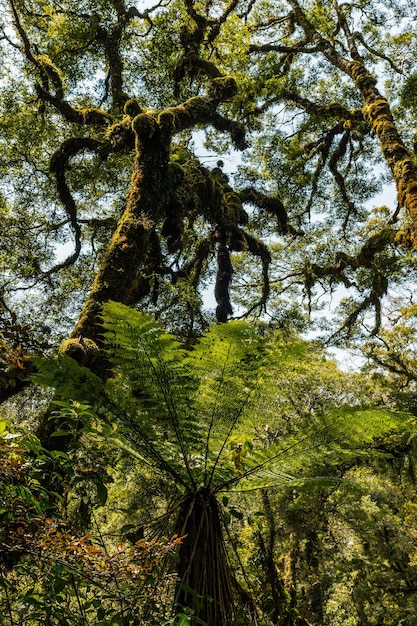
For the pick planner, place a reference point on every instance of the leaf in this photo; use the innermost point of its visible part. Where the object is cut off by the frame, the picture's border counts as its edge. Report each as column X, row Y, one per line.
column 182, row 620
column 9, row 436
column 102, row 493
column 59, row 584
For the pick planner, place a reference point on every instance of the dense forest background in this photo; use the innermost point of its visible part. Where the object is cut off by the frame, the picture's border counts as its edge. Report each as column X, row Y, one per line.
column 200, row 201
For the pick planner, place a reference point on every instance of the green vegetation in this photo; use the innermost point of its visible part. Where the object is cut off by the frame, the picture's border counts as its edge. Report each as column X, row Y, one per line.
column 189, row 192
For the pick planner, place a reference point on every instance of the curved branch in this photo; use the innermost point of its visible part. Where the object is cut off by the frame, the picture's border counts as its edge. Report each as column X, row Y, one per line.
column 215, row 25
column 58, row 164
column 297, row 48
column 194, row 267
column 378, row 290
column 339, row 153
column 377, row 53
column 257, row 248
column 271, row 204
column 330, row 110
column 88, row 116
column 202, row 109
column 377, row 114
column 365, row 258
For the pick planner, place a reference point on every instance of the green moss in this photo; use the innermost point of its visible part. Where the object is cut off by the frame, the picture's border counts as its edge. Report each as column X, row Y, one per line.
column 95, row 116
column 222, row 88
column 132, row 108
column 232, row 209
column 119, row 128
column 376, row 111
column 84, row 350
column 45, row 64
column 176, row 174
column 167, row 121
column 363, row 79
column 145, row 126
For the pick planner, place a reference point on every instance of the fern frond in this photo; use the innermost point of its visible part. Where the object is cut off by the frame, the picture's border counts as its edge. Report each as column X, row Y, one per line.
column 187, row 412
column 194, row 397
column 152, row 363
column 73, row 381
column 334, row 439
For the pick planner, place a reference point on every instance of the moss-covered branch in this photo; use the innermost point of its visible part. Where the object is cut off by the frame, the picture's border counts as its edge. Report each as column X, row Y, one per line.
column 365, row 258
column 120, row 277
column 58, row 164
column 124, row 274
column 88, row 116
column 377, row 114
column 271, row 204
column 223, row 280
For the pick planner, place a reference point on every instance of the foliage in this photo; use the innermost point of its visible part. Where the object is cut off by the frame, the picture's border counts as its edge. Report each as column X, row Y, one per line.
column 62, row 575
column 210, row 161
column 318, row 141
column 195, row 417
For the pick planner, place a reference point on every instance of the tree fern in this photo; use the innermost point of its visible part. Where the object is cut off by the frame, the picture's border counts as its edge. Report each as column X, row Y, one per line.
column 196, row 415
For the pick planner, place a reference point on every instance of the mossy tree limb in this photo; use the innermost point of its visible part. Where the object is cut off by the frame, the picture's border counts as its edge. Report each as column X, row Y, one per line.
column 376, row 112
column 58, row 165
column 122, row 276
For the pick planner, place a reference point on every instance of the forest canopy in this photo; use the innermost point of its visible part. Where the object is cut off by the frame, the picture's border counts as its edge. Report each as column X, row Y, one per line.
column 241, row 172
column 153, row 155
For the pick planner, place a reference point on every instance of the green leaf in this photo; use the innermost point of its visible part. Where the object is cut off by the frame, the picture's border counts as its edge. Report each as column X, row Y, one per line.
column 235, row 513
column 59, row 584
column 182, row 620
column 102, row 493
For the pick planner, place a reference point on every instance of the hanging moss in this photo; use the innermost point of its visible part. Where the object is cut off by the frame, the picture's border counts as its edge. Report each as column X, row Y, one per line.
column 238, row 241
column 173, row 226
column 232, row 209
column 223, row 280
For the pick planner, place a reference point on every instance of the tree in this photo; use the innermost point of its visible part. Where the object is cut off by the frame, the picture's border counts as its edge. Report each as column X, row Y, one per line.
column 201, row 420
column 104, row 93
column 106, row 194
